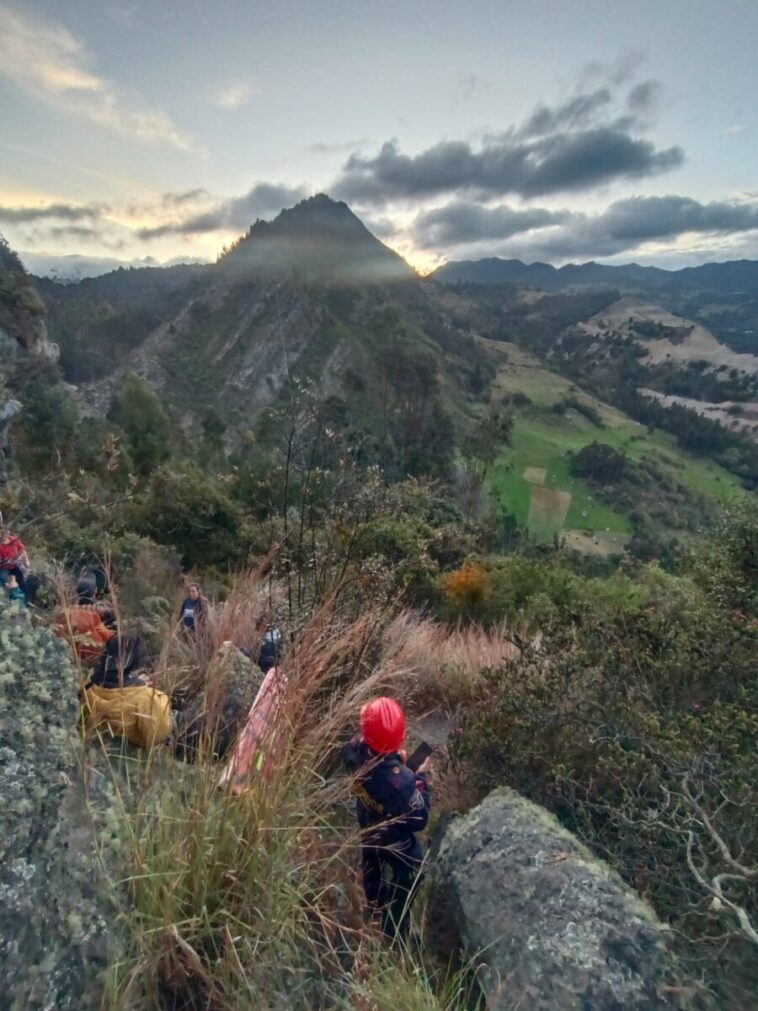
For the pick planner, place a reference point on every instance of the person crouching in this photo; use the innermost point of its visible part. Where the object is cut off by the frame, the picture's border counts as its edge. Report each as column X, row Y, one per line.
column 120, row 698
column 392, row 804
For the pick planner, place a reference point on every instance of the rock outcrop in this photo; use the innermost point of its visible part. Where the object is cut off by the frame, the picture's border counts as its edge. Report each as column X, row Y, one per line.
column 53, row 917
column 550, row 927
column 214, row 717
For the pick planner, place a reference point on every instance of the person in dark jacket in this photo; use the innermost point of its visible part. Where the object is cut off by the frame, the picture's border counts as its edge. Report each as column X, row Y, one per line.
column 392, row 805
column 122, row 663
column 86, row 588
column 270, row 652
column 267, row 652
column 194, row 608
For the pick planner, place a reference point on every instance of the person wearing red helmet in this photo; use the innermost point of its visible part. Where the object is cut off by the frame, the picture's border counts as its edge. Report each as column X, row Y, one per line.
column 392, row 804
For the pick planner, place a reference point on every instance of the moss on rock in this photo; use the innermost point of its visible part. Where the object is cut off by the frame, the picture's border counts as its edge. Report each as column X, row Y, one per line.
column 551, row 927
column 53, row 910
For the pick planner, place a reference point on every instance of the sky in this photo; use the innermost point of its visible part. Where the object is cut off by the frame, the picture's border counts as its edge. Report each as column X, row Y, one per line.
column 132, row 131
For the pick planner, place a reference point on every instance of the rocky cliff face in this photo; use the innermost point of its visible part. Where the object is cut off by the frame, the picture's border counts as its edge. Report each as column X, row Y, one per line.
column 23, row 336
column 551, row 927
column 53, row 914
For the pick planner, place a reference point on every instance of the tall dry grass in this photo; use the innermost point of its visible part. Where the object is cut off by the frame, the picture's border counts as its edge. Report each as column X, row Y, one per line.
column 253, row 901
column 447, row 664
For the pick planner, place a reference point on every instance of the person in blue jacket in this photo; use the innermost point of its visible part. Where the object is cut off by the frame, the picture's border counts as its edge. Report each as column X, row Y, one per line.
column 392, row 805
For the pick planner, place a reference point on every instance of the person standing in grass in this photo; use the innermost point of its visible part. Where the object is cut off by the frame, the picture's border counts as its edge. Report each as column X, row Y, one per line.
column 392, row 805
column 194, row 608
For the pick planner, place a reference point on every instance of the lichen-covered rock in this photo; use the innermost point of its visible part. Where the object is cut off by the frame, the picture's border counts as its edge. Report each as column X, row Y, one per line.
column 52, row 912
column 215, row 716
column 552, row 927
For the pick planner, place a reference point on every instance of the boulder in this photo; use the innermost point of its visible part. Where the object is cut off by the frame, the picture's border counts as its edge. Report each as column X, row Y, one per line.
column 549, row 926
column 216, row 715
column 53, row 911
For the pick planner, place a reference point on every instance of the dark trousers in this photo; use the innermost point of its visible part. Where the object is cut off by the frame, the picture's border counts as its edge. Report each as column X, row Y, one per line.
column 392, row 898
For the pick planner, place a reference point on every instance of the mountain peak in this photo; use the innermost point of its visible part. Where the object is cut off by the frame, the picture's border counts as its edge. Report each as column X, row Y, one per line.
column 319, row 238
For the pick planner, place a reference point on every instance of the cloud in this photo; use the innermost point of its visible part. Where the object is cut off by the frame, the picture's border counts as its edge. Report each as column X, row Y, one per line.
column 576, row 112
column 61, row 212
column 553, row 164
column 80, row 233
column 186, row 213
column 624, row 226
column 584, row 142
column 47, row 61
column 461, row 222
column 470, row 86
column 234, row 96
column 339, row 148
column 236, row 214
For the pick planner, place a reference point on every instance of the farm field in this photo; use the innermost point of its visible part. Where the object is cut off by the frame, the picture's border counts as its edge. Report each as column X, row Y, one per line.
column 539, row 459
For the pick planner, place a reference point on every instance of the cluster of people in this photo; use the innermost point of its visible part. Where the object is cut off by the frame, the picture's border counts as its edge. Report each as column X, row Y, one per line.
column 117, row 694
column 392, row 799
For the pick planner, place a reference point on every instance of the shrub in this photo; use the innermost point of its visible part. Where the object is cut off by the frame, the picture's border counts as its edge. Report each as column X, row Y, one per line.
column 191, row 512
column 634, row 725
column 137, row 409
column 468, row 587
column 598, row 462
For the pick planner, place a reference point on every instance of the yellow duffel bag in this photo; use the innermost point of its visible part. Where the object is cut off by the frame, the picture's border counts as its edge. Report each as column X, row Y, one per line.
column 141, row 713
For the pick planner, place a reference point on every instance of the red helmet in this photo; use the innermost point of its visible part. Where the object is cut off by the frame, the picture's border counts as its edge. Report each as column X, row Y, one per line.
column 383, row 725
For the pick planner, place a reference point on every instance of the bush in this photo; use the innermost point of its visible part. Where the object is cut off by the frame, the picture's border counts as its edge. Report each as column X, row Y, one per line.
column 468, row 587
column 189, row 511
column 599, row 463
column 137, row 409
column 634, row 725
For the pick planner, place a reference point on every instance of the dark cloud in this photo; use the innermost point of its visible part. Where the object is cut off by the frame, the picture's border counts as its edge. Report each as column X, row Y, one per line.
column 623, row 226
column 185, row 197
column 464, row 222
column 263, row 201
column 553, row 164
column 77, row 232
column 643, row 218
column 60, row 212
column 576, row 112
column 644, row 97
column 587, row 141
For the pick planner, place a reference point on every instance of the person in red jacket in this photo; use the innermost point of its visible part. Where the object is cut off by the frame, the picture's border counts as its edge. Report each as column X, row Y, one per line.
column 13, row 558
column 392, row 805
column 87, row 629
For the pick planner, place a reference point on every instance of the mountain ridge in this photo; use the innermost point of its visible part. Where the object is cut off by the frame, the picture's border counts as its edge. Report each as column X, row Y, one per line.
column 716, row 276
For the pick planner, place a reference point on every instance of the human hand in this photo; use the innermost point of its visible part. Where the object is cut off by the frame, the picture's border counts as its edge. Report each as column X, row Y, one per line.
column 426, row 765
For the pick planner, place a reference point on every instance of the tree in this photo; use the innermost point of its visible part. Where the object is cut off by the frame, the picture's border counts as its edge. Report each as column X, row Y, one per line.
column 48, row 422
column 192, row 513
column 137, row 409
column 481, row 447
column 600, row 463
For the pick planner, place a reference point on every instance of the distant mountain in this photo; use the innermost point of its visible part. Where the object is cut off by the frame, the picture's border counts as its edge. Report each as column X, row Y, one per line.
column 320, row 239
column 75, row 267
column 311, row 296
column 733, row 277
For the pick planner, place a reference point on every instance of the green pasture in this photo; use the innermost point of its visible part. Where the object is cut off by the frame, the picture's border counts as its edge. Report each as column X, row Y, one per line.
column 541, row 439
